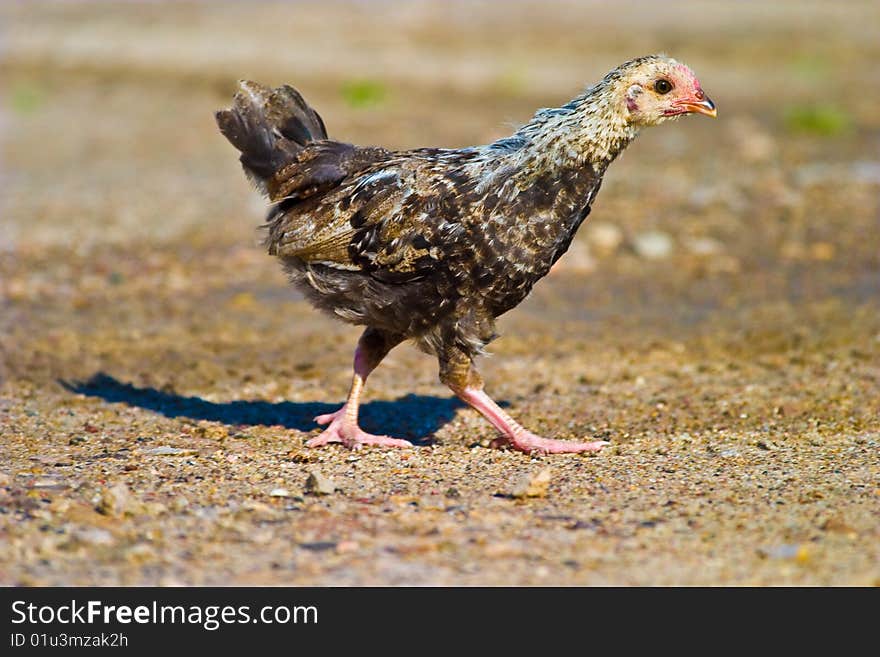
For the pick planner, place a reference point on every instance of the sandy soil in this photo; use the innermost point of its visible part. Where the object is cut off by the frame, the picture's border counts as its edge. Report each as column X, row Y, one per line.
column 718, row 320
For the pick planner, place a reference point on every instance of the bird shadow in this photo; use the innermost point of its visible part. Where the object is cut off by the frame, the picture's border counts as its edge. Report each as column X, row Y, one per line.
column 414, row 417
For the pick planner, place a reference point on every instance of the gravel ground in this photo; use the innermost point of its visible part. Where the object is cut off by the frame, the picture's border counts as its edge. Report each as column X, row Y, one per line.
column 718, row 320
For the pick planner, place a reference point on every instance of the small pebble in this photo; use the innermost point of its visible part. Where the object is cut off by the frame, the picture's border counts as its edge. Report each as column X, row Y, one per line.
column 604, row 237
column 94, row 536
column 319, row 546
column 652, row 245
column 703, row 246
column 165, row 450
column 318, row 484
column 140, row 553
column 60, row 505
column 837, row 524
column 532, row 485
column 502, row 550
column 115, row 501
column 48, row 483
column 787, row 551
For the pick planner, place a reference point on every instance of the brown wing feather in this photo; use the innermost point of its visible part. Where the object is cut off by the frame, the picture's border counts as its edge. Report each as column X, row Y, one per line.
column 380, row 219
column 317, row 195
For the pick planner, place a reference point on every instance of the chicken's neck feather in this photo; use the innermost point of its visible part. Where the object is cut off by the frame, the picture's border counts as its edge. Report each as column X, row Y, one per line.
column 593, row 128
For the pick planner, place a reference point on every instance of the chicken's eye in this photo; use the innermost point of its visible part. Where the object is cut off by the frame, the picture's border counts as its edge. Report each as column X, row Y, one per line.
column 662, row 86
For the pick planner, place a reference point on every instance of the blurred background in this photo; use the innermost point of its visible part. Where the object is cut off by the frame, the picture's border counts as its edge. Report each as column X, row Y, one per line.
column 118, row 191
column 728, row 278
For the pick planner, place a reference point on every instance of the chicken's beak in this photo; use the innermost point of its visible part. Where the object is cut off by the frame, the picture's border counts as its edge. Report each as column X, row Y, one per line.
column 703, row 106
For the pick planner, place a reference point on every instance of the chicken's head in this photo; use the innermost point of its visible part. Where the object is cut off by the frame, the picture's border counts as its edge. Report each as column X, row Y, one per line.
column 659, row 88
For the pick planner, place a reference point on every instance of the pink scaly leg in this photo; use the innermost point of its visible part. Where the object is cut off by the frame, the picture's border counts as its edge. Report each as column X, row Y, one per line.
column 515, row 435
column 343, row 424
column 458, row 372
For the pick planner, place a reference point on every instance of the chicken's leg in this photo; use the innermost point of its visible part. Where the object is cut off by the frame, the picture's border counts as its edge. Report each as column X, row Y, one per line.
column 458, row 372
column 343, row 424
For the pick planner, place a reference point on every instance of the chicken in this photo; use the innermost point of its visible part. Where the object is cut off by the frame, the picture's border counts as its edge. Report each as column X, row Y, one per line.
column 434, row 244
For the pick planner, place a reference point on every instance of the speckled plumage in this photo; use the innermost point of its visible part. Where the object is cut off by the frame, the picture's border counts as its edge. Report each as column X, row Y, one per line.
column 429, row 244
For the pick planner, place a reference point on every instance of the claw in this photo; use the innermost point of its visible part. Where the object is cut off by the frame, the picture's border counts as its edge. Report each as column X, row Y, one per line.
column 328, row 418
column 342, row 430
column 531, row 444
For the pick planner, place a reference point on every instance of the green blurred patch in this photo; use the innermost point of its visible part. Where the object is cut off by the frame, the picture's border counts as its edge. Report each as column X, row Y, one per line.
column 810, row 67
column 512, row 82
column 360, row 94
column 824, row 120
column 26, row 97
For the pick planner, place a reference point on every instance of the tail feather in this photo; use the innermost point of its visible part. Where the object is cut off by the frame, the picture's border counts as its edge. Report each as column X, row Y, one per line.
column 269, row 127
column 296, row 121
